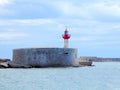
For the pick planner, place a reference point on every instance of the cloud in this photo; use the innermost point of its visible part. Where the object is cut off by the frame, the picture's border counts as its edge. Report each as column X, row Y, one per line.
column 69, row 9
column 84, row 39
column 82, row 27
column 4, row 2
column 26, row 22
column 5, row 10
column 12, row 35
column 105, row 11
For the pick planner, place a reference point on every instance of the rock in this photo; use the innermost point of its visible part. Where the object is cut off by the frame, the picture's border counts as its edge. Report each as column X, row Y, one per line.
column 4, row 65
column 4, row 62
column 12, row 64
column 86, row 63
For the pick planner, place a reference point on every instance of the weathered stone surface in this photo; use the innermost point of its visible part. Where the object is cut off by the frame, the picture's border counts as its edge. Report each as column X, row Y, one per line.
column 44, row 57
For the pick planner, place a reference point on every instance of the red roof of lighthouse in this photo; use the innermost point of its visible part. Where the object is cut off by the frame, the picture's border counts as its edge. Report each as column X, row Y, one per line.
column 66, row 35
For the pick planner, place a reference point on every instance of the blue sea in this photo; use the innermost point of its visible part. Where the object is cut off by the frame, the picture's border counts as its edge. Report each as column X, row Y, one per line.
column 102, row 76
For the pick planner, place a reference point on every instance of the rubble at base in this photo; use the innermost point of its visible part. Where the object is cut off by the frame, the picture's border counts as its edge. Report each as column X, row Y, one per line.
column 4, row 63
column 7, row 63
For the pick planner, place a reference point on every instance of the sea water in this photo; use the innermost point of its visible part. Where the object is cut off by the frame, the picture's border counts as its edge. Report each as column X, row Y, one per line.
column 102, row 76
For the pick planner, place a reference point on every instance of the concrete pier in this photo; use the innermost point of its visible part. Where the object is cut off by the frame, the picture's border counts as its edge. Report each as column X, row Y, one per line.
column 45, row 57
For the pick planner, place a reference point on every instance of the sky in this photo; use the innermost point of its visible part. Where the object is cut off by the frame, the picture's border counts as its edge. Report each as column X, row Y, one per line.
column 94, row 25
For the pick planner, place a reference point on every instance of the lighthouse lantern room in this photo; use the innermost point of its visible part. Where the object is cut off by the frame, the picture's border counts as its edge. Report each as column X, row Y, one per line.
column 66, row 37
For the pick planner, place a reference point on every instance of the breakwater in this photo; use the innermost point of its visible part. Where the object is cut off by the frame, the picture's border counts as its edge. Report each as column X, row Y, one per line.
column 98, row 59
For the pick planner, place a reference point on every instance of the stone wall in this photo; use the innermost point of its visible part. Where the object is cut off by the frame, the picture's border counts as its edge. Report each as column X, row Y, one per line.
column 45, row 57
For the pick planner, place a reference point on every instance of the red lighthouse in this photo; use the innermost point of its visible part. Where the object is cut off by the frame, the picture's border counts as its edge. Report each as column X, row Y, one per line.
column 66, row 36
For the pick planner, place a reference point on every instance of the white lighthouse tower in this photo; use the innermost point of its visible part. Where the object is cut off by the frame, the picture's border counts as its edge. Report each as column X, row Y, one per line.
column 66, row 37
